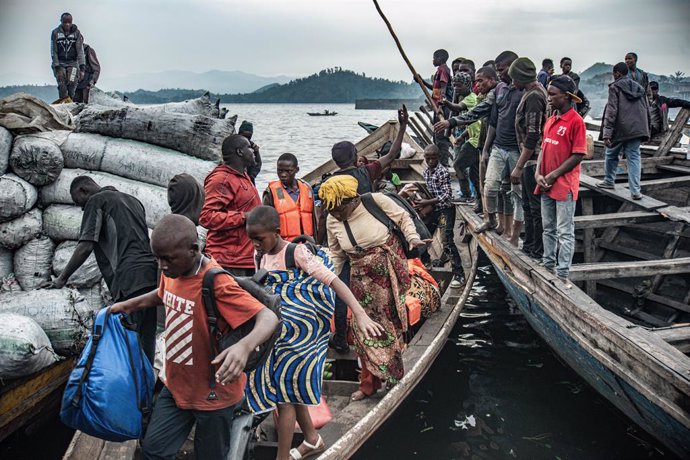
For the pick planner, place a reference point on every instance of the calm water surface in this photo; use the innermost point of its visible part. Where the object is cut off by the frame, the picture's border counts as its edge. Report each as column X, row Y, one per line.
column 495, row 392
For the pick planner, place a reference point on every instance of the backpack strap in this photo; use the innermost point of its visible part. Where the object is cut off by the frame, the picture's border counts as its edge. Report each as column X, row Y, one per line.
column 375, row 210
column 209, row 299
column 290, row 255
column 98, row 331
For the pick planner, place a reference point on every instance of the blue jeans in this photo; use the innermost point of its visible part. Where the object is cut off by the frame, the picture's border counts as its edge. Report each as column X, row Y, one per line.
column 558, row 218
column 631, row 149
column 502, row 160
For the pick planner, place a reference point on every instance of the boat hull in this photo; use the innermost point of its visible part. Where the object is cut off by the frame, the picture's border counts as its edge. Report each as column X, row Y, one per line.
column 648, row 415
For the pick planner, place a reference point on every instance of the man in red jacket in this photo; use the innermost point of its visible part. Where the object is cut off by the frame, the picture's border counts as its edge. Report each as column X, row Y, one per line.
column 230, row 195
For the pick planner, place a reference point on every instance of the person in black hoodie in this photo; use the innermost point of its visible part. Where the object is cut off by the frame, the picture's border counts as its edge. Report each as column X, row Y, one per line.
column 92, row 72
column 659, row 106
column 625, row 126
column 67, row 54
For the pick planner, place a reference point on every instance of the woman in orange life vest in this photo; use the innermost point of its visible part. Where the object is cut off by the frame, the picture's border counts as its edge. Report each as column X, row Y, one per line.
column 292, row 198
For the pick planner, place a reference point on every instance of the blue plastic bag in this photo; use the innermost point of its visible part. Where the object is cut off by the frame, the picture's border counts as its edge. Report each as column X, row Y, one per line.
column 111, row 388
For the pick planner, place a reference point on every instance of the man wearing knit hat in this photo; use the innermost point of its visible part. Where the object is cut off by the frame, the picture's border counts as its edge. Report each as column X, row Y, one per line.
column 558, row 175
column 502, row 148
column 247, row 130
column 529, row 122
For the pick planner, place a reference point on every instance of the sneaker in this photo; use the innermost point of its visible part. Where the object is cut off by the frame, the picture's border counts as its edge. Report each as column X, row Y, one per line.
column 468, row 202
column 636, row 196
column 457, row 281
column 478, row 208
column 339, row 344
column 459, row 200
column 604, row 184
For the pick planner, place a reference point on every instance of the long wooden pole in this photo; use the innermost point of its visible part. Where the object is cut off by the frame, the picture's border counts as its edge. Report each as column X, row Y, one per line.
column 416, row 76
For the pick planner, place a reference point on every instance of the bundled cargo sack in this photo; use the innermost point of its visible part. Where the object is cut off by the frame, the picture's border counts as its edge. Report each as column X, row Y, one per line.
column 62, row 222
column 85, row 276
column 6, row 262
column 38, row 161
column 111, row 388
column 32, row 262
column 63, row 314
column 5, row 148
column 16, row 233
column 24, row 347
column 17, row 196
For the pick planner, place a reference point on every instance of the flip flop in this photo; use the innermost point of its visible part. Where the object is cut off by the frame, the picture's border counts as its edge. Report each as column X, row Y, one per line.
column 313, row 449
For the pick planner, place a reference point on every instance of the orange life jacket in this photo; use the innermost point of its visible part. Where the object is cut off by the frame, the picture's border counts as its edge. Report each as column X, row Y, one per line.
column 295, row 218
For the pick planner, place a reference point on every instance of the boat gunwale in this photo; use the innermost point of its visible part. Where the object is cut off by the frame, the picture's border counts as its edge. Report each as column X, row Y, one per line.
column 589, row 314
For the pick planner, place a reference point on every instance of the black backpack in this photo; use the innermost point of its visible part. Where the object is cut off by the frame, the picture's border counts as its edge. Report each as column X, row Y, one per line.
column 219, row 340
column 373, row 208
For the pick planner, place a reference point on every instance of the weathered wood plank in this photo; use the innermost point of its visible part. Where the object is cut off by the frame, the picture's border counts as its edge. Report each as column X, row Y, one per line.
column 582, row 272
column 627, row 250
column 674, row 133
column 420, row 130
column 676, row 214
column 649, row 166
column 622, row 194
column 84, row 447
column 589, row 246
column 678, row 336
column 661, row 184
column 118, row 450
column 674, row 168
column 616, row 219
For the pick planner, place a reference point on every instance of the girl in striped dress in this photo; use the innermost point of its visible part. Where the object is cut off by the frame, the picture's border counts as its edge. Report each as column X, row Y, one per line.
column 292, row 375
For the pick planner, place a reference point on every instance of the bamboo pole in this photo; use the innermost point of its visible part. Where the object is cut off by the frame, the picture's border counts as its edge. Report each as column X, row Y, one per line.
column 416, row 76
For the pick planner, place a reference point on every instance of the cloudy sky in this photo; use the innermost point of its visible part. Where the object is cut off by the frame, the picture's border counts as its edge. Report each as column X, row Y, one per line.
column 300, row 37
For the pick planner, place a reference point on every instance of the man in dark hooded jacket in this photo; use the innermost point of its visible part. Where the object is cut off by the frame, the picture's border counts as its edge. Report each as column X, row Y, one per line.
column 91, row 75
column 67, row 55
column 659, row 106
column 625, row 126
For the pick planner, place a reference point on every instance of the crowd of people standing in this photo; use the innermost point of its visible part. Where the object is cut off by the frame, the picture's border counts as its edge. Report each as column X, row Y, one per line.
column 513, row 136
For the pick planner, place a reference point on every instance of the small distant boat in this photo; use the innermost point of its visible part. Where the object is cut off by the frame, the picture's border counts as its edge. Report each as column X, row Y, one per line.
column 325, row 113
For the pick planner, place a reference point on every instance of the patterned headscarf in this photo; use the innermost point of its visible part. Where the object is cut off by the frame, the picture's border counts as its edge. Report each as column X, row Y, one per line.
column 336, row 189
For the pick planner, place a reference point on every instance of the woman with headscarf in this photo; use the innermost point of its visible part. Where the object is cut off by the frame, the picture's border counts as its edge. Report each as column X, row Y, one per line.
column 186, row 197
column 379, row 277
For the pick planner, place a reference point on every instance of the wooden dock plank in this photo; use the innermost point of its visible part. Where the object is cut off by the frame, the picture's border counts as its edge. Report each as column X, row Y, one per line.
column 582, row 272
column 622, row 194
column 617, row 219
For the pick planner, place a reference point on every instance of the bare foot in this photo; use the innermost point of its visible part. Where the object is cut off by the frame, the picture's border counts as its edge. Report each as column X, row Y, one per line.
column 358, row 396
column 514, row 241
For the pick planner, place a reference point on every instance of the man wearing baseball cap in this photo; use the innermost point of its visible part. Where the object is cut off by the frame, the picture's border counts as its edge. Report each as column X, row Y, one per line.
column 659, row 106
column 558, row 175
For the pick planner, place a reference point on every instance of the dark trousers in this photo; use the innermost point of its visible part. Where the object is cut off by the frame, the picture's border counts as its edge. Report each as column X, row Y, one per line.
column 146, row 322
column 444, row 145
column 467, row 159
column 531, row 205
column 67, row 80
column 340, row 306
column 449, row 236
column 82, row 94
column 170, row 426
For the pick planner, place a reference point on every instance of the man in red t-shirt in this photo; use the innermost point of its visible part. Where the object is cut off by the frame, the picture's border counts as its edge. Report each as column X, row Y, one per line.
column 558, row 175
column 187, row 395
column 230, row 195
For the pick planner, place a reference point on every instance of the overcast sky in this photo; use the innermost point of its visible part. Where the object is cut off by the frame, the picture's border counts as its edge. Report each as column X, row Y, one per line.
column 300, row 37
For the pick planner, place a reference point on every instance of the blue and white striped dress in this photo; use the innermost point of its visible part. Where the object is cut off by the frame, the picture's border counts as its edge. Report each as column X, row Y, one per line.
column 294, row 371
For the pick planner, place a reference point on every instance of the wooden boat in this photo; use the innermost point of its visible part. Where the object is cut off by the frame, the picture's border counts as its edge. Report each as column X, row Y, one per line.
column 25, row 399
column 353, row 422
column 625, row 326
column 325, row 113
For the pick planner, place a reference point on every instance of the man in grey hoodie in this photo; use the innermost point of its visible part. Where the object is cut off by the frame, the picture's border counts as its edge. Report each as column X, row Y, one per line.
column 67, row 54
column 625, row 126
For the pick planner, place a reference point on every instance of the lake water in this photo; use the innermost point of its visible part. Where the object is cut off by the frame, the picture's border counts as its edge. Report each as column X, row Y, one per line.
column 495, row 392
column 281, row 128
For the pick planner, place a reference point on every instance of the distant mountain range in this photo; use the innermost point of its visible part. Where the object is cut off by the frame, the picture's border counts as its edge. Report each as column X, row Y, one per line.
column 333, row 85
column 216, row 81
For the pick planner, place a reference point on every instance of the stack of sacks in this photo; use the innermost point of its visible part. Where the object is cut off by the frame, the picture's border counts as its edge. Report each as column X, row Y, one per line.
column 126, row 147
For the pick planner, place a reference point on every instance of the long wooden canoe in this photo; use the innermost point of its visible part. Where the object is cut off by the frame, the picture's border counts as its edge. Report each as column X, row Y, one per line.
column 353, row 422
column 624, row 327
